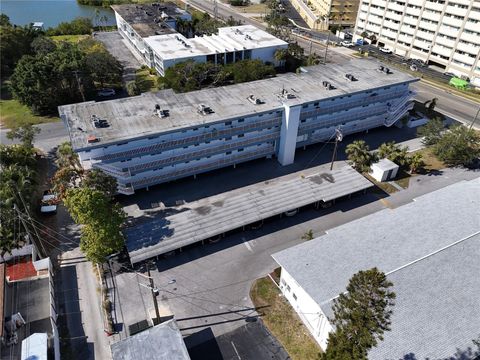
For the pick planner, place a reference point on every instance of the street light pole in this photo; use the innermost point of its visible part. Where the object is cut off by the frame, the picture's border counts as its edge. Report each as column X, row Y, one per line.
column 338, row 137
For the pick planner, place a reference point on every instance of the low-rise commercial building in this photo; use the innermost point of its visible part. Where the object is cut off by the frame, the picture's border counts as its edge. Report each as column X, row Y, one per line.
column 428, row 249
column 445, row 33
column 151, row 31
column 159, row 137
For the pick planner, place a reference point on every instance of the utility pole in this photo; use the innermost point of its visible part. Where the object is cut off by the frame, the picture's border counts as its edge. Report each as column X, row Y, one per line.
column 474, row 119
column 20, row 216
column 155, row 293
column 338, row 138
column 76, row 72
column 215, row 10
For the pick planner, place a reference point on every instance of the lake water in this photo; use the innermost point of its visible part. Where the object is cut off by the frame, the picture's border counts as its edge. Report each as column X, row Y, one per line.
column 50, row 12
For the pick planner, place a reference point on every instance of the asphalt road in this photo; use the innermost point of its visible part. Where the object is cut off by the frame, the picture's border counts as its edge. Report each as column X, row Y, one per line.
column 451, row 105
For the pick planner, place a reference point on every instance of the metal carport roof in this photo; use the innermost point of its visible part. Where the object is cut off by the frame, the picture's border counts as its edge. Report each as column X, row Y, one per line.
column 218, row 214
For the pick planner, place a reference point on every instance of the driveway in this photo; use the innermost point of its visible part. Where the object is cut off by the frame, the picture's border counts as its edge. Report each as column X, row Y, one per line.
column 120, row 49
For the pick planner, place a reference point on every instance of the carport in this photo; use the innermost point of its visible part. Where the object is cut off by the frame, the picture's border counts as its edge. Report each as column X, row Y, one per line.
column 213, row 216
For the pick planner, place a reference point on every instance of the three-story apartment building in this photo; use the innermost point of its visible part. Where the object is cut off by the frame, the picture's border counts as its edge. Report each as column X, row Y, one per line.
column 159, row 137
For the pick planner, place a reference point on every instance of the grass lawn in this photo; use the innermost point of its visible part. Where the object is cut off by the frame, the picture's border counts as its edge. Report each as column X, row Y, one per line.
column 431, row 161
column 282, row 321
column 13, row 114
column 145, row 81
column 69, row 38
column 252, row 8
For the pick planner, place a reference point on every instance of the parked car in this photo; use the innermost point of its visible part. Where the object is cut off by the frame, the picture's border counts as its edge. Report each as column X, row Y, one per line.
column 449, row 74
column 49, row 203
column 290, row 213
column 385, row 50
column 347, row 44
column 106, row 92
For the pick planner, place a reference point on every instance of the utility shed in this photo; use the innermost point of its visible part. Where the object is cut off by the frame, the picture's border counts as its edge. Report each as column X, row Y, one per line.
column 219, row 214
column 384, row 170
column 161, row 342
column 429, row 250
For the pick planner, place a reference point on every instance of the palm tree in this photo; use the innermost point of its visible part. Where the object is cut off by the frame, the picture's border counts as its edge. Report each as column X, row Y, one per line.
column 66, row 157
column 358, row 154
column 416, row 162
column 281, row 56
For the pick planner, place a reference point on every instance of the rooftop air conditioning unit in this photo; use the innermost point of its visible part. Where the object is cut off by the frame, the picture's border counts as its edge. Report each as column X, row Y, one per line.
column 254, row 100
column 350, row 77
column 204, row 109
column 327, row 85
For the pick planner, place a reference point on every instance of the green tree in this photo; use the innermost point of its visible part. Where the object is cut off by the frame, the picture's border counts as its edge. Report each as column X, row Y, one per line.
column 78, row 26
column 358, row 154
column 308, row 235
column 101, row 220
column 132, row 88
column 361, row 316
column 102, row 66
column 394, row 152
column 45, row 82
column 416, row 162
column 431, row 131
column 98, row 180
column 15, row 42
column 66, row 156
column 16, row 181
column 43, row 45
column 459, row 146
column 26, row 134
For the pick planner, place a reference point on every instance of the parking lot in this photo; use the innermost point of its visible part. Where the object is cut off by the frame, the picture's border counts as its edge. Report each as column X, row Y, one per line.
column 117, row 46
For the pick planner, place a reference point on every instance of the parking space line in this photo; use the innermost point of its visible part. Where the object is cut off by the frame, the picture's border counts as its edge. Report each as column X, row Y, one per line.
column 249, row 247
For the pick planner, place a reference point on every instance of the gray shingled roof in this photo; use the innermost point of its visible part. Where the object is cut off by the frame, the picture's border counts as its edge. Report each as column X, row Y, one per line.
column 161, row 342
column 231, row 210
column 437, row 308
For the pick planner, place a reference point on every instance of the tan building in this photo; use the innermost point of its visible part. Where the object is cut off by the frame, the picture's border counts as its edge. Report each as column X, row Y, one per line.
column 323, row 14
column 439, row 32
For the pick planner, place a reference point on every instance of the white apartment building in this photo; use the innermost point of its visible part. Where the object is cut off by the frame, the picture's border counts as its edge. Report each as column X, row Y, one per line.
column 445, row 33
column 159, row 137
column 136, row 22
column 231, row 44
column 151, row 32
column 322, row 14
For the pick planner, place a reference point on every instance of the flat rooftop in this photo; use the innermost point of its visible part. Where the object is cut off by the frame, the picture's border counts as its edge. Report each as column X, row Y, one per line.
column 162, row 342
column 205, row 218
column 149, row 19
column 228, row 39
column 429, row 249
column 134, row 117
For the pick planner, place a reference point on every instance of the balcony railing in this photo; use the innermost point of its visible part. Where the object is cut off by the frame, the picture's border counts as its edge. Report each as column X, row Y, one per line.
column 167, row 145
column 264, row 150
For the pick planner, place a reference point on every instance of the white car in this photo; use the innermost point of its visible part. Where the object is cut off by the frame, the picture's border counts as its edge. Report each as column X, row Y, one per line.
column 385, row 50
column 106, row 92
column 347, row 44
column 49, row 203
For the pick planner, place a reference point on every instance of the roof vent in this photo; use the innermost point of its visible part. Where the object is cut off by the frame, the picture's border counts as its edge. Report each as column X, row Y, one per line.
column 327, row 85
column 248, row 37
column 99, row 123
column 254, row 100
column 238, row 31
column 161, row 113
column 203, row 109
column 384, row 69
column 92, row 139
column 350, row 77
column 287, row 95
